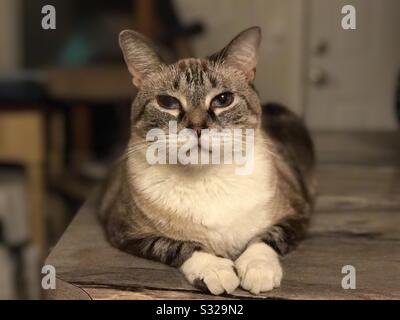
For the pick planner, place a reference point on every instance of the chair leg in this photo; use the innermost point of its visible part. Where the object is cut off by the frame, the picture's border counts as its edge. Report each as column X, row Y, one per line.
column 36, row 192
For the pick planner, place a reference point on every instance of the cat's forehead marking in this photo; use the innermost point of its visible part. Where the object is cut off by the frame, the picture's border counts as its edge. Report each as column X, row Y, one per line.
column 191, row 61
column 194, row 74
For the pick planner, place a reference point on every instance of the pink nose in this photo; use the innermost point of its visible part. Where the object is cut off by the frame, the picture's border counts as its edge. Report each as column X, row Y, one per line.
column 197, row 130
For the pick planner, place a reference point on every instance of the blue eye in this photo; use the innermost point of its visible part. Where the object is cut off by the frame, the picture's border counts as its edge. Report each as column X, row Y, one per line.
column 168, row 102
column 222, row 100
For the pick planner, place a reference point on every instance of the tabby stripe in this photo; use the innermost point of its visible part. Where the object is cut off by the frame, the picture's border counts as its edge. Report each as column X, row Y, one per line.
column 169, row 251
column 285, row 236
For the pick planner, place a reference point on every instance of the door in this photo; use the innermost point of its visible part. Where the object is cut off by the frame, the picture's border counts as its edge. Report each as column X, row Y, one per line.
column 352, row 74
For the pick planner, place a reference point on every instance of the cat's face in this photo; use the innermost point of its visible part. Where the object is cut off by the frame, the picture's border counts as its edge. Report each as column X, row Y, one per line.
column 210, row 93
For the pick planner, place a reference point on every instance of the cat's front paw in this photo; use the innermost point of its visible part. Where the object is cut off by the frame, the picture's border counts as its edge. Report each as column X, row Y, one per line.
column 259, row 268
column 216, row 274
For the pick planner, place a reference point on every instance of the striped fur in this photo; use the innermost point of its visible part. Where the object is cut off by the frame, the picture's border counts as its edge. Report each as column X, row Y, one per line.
column 205, row 219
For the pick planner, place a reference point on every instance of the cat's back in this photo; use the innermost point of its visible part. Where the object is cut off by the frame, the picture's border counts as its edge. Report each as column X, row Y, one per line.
column 292, row 139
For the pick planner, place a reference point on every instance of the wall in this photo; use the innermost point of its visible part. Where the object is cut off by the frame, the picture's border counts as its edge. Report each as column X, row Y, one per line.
column 280, row 69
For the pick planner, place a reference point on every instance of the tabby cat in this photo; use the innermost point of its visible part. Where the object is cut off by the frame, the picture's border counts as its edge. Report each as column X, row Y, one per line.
column 221, row 229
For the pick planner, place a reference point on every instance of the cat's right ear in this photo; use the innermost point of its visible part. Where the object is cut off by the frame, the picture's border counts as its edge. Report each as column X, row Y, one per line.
column 139, row 55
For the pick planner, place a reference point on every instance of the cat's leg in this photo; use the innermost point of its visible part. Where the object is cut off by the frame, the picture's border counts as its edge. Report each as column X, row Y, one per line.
column 207, row 271
column 162, row 249
column 203, row 270
column 258, row 266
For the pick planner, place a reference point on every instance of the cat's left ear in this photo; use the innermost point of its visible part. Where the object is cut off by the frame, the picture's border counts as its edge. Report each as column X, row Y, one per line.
column 242, row 52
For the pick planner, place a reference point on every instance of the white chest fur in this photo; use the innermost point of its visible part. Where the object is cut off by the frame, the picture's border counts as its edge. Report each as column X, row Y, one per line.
column 230, row 208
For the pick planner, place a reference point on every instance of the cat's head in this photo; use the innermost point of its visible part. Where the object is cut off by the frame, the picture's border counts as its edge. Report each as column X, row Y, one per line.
column 215, row 92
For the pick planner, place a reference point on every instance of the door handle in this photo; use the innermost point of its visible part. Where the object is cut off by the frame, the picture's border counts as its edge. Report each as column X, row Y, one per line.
column 321, row 48
column 318, row 76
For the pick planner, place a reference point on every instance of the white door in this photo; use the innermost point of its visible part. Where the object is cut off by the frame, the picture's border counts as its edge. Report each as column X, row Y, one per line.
column 352, row 73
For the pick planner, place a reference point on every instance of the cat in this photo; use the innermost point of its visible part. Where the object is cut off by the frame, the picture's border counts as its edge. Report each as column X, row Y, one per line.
column 221, row 229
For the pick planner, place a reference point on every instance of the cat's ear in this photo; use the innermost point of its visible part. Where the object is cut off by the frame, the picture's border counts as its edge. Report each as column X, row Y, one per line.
column 139, row 55
column 242, row 52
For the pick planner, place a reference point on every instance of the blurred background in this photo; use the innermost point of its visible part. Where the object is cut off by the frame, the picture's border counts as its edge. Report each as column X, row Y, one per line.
column 65, row 94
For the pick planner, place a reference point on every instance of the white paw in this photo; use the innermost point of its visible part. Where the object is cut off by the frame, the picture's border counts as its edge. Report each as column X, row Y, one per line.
column 259, row 268
column 218, row 274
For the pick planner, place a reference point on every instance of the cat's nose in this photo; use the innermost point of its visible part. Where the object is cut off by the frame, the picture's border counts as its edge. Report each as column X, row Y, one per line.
column 197, row 120
column 197, row 129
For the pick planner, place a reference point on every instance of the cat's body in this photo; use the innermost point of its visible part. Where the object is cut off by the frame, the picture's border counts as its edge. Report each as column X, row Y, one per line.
column 202, row 218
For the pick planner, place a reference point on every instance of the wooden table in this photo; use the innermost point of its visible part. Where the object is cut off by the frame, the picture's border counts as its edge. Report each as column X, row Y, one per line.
column 357, row 222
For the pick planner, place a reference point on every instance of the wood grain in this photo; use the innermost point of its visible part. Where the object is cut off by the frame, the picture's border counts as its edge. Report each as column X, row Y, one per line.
column 105, row 293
